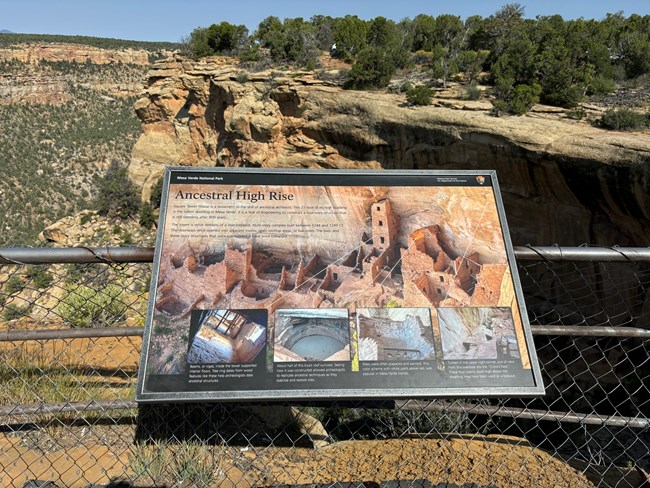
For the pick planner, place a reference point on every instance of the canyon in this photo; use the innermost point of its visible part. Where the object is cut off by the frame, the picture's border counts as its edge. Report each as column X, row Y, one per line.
column 563, row 181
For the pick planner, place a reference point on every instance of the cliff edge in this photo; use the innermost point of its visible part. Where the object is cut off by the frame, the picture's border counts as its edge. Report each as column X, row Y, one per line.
column 563, row 181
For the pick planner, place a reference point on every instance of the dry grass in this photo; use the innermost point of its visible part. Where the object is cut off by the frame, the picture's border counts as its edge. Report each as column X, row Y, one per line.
column 52, row 371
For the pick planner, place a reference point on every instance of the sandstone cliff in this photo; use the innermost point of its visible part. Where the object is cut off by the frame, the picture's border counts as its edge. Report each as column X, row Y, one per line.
column 563, row 181
column 34, row 53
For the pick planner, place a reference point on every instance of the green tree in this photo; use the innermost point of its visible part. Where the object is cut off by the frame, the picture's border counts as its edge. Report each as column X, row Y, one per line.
column 448, row 31
column 117, row 195
column 516, row 66
column 471, row 63
column 223, row 38
column 495, row 32
column 373, row 69
column 385, row 34
column 424, row 33
column 443, row 63
column 293, row 41
column 267, row 29
column 636, row 54
column 564, row 70
column 324, row 28
column 226, row 38
column 198, row 43
column 349, row 36
column 382, row 33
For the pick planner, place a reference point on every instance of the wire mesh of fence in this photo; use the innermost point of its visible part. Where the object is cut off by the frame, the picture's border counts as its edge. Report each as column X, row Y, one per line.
column 70, row 351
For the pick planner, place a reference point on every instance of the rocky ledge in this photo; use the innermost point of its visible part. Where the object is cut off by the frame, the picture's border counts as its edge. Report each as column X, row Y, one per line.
column 57, row 51
column 563, row 181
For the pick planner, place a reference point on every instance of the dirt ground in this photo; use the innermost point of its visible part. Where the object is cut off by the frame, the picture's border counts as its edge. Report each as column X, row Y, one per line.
column 485, row 461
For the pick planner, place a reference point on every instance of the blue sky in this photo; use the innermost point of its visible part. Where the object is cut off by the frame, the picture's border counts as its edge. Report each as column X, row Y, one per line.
column 169, row 20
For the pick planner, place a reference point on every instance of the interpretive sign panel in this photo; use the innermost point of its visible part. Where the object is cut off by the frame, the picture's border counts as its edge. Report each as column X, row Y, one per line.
column 270, row 284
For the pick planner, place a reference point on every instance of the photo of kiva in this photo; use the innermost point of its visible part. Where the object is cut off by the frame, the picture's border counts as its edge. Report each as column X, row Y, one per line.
column 477, row 333
column 311, row 335
column 395, row 334
column 228, row 336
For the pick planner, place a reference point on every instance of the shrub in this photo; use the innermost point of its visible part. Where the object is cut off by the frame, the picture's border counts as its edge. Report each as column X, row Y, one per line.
column 14, row 284
column 85, row 218
column 472, row 92
column 83, row 306
column 242, row 77
column 523, row 97
column 563, row 96
column 623, row 119
column 601, row 86
column 40, row 276
column 406, row 86
column 499, row 107
column 422, row 57
column 13, row 312
column 147, row 218
column 250, row 54
column 127, row 238
column 117, row 196
column 156, row 193
column 311, row 64
column 575, row 114
column 420, row 95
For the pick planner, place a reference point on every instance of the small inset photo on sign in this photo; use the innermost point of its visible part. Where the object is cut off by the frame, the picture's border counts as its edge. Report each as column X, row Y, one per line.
column 320, row 334
column 395, row 334
column 478, row 333
column 227, row 336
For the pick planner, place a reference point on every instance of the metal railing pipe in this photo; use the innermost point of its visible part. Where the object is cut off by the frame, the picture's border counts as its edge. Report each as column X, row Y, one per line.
column 90, row 333
column 56, row 255
column 145, row 254
column 589, row 331
column 526, row 413
column 592, row 253
column 54, row 334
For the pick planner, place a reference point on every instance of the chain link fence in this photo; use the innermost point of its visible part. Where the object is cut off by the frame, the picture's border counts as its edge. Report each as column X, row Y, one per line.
column 70, row 350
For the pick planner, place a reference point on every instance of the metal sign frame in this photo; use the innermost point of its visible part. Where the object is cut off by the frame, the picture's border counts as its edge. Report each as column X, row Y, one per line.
column 208, row 195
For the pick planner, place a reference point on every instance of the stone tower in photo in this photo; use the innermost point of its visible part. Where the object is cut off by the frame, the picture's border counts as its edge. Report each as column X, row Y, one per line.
column 384, row 226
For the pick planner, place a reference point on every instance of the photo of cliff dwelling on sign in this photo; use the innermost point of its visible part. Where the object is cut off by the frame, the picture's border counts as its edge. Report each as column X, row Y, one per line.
column 395, row 334
column 375, row 246
column 312, row 335
column 477, row 333
column 227, row 336
column 363, row 247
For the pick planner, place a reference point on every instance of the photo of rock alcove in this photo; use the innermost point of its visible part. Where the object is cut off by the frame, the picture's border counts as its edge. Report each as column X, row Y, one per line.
column 311, row 335
column 228, row 336
column 395, row 334
column 478, row 333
